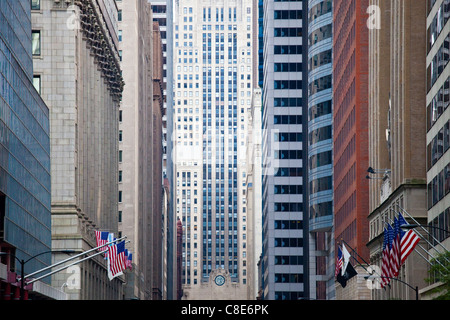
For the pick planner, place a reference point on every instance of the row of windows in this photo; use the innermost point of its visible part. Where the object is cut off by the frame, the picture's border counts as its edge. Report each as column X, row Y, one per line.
column 288, row 189
column 321, row 184
column 281, row 119
column 288, row 295
column 320, row 59
column 320, row 159
column 288, row 32
column 321, row 210
column 347, row 155
column 288, row 136
column 320, row 34
column 439, row 62
column 288, row 224
column 288, row 242
column 287, row 14
column 438, row 23
column 289, row 172
column 438, row 145
column 288, row 206
column 287, row 67
column 320, row 109
column 439, row 187
column 439, row 103
column 343, row 212
column 287, row 84
column 320, row 84
column 320, row 134
column 288, row 49
column 287, row 102
column 288, row 278
column 320, row 9
column 439, row 225
column 288, row 154
column 289, row 260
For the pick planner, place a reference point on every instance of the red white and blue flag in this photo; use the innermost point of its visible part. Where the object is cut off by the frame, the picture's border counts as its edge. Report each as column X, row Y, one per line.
column 395, row 253
column 385, row 257
column 128, row 262
column 397, row 246
column 116, row 259
column 338, row 262
column 408, row 242
column 101, row 238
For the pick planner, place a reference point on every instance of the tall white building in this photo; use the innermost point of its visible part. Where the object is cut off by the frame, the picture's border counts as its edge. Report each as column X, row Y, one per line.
column 284, row 150
column 212, row 92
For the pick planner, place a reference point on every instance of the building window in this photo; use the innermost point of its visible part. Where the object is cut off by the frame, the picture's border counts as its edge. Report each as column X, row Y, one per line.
column 37, row 83
column 119, row 15
column 36, row 42
column 35, row 4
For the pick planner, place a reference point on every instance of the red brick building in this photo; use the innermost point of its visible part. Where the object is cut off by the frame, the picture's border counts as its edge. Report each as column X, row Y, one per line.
column 350, row 136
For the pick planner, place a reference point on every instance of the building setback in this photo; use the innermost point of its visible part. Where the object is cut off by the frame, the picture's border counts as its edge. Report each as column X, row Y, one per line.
column 25, row 219
column 80, row 81
column 284, row 150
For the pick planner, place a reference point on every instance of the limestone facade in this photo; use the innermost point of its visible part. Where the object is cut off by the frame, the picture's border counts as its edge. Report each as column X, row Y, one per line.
column 82, row 85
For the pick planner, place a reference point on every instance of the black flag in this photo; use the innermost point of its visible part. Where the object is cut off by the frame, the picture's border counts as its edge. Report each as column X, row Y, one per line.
column 348, row 271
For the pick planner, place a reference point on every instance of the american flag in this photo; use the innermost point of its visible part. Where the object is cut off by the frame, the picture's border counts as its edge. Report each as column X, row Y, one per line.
column 116, row 259
column 391, row 250
column 396, row 249
column 408, row 241
column 129, row 259
column 385, row 269
column 338, row 262
column 102, row 239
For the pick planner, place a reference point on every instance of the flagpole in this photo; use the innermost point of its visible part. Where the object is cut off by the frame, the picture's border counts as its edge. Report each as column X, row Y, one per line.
column 65, row 267
column 438, row 242
column 417, row 251
column 359, row 257
column 429, row 243
column 73, row 257
column 69, row 265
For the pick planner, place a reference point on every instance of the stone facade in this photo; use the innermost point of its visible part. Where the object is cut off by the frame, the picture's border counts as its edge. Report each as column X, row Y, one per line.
column 82, row 85
column 212, row 90
column 397, row 137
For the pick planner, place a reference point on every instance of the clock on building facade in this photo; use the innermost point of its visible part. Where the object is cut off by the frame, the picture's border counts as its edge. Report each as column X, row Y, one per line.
column 219, row 280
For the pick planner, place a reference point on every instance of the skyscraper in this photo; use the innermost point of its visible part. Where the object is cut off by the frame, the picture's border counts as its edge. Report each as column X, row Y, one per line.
column 438, row 123
column 79, row 66
column 140, row 147
column 320, row 144
column 350, row 124
column 212, row 91
column 284, row 150
column 25, row 219
column 397, row 129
